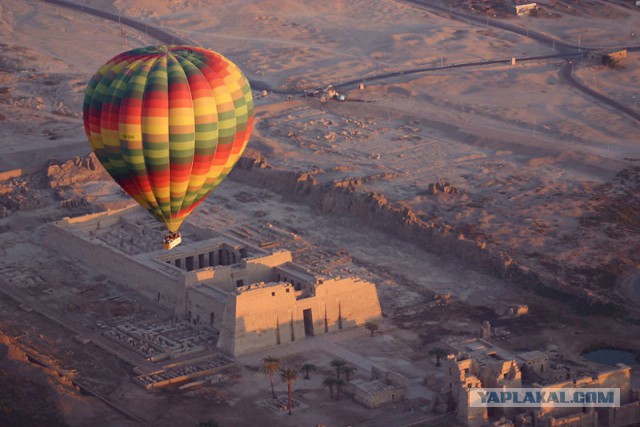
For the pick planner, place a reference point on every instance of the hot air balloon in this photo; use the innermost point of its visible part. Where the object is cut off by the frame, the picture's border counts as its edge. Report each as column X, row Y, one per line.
column 168, row 123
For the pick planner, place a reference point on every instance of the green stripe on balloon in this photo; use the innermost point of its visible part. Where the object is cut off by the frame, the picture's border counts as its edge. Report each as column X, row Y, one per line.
column 168, row 159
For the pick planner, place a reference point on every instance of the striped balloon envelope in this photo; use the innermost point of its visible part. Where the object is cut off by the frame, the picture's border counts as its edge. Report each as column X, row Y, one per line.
column 168, row 123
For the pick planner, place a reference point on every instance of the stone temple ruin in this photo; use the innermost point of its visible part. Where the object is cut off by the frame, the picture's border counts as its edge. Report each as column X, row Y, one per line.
column 252, row 298
column 478, row 363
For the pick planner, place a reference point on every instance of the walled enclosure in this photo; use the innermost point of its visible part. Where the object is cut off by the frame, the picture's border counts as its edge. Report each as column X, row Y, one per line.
column 465, row 372
column 253, row 298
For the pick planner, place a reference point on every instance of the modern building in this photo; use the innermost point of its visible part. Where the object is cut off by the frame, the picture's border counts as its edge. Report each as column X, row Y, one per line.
column 525, row 9
column 382, row 388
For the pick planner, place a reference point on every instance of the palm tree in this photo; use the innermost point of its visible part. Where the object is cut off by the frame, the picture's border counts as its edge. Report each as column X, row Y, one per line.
column 271, row 364
column 338, row 364
column 289, row 375
column 438, row 353
column 5, row 408
column 329, row 382
column 372, row 327
column 348, row 370
column 339, row 384
column 210, row 423
column 306, row 368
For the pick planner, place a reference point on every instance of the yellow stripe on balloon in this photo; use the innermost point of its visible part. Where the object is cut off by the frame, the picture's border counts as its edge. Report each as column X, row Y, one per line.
column 203, row 89
column 155, row 125
column 181, row 117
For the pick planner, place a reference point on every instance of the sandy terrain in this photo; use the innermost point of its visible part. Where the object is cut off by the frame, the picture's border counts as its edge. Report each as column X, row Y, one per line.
column 539, row 185
column 587, row 31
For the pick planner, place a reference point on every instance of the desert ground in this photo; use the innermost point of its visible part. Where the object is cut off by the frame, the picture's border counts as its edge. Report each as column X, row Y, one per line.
column 498, row 184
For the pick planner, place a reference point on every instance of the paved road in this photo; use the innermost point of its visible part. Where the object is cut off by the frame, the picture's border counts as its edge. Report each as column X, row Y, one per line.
column 532, row 34
column 354, row 82
column 155, row 32
column 566, row 50
column 164, row 36
column 170, row 38
column 567, row 74
column 569, row 50
column 487, row 21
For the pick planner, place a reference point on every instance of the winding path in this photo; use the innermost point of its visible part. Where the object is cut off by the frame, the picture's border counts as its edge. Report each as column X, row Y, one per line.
column 567, row 74
column 385, row 76
column 486, row 20
column 566, row 50
column 170, row 38
column 569, row 50
column 155, row 32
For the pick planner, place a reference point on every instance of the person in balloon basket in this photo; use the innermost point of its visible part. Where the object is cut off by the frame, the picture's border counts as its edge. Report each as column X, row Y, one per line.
column 171, row 237
column 130, row 92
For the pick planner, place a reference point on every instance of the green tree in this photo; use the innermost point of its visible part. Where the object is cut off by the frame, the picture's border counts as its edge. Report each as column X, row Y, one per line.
column 610, row 61
column 339, row 384
column 271, row 364
column 208, row 423
column 329, row 382
column 438, row 353
column 348, row 370
column 450, row 401
column 289, row 375
column 372, row 327
column 5, row 408
column 306, row 368
column 338, row 364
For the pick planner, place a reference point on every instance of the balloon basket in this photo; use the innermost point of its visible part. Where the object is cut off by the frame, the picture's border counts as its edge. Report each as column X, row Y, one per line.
column 171, row 241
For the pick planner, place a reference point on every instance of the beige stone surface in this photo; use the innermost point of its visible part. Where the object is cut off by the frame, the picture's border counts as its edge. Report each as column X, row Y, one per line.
column 545, row 181
column 257, row 300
